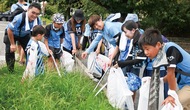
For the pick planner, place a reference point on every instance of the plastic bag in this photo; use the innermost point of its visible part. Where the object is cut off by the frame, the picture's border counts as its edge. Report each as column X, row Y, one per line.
column 118, row 93
column 97, row 64
column 178, row 104
column 67, row 61
column 144, row 93
column 133, row 81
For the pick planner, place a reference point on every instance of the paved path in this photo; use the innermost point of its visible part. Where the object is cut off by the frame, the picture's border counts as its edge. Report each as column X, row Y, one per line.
column 3, row 25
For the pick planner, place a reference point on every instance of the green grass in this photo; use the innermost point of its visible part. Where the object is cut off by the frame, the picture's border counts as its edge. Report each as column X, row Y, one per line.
column 72, row 91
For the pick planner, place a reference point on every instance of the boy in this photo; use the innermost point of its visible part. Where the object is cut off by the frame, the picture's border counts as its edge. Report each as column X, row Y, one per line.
column 54, row 37
column 177, row 58
column 35, row 51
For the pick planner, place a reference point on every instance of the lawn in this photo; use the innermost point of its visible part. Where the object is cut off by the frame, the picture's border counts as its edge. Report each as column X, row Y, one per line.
column 72, row 91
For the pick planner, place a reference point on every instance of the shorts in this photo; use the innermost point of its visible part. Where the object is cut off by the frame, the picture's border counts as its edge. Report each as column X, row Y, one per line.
column 56, row 52
column 184, row 97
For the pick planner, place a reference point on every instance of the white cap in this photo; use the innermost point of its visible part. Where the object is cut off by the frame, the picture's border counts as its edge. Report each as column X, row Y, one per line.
column 131, row 16
column 58, row 18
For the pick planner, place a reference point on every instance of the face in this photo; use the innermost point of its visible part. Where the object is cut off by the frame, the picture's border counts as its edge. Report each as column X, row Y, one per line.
column 33, row 13
column 40, row 36
column 58, row 25
column 129, row 33
column 78, row 21
column 99, row 25
column 151, row 51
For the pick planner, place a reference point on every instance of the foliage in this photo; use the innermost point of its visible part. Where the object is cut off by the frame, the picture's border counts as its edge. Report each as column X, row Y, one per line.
column 166, row 15
column 50, row 92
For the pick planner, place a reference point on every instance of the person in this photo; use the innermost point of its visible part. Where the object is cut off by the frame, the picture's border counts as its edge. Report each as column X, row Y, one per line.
column 134, row 17
column 109, row 31
column 133, row 57
column 25, row 6
column 35, row 53
column 54, row 37
column 19, row 30
column 178, row 62
column 74, row 28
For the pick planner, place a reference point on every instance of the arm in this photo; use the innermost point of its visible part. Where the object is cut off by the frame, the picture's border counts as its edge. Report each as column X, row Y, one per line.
column 113, row 55
column 11, row 39
column 46, row 43
column 79, row 45
column 73, row 43
column 129, row 62
column 170, row 78
column 99, row 47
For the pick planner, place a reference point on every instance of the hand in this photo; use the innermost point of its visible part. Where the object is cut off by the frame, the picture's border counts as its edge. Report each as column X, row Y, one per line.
column 170, row 100
column 74, row 51
column 116, row 65
column 84, row 55
column 12, row 48
column 109, row 63
column 97, row 51
column 50, row 52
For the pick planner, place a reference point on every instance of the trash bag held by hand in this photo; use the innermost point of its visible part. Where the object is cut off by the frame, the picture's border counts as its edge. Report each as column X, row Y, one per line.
column 133, row 81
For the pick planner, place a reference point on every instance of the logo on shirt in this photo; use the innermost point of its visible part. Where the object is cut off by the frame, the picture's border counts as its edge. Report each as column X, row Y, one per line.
column 170, row 58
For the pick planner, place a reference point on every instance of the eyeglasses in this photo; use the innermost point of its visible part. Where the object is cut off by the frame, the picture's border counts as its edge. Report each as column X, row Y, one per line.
column 34, row 13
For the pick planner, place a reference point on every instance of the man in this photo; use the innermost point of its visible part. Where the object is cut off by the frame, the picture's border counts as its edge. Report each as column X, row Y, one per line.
column 19, row 30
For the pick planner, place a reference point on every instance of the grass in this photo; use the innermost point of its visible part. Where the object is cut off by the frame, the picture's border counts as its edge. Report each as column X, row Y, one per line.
column 73, row 91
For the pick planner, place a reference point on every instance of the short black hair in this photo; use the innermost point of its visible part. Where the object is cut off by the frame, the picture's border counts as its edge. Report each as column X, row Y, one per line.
column 150, row 37
column 38, row 29
column 36, row 5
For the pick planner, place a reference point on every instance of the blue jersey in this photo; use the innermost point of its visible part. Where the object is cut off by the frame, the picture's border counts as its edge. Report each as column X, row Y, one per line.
column 178, row 58
column 54, row 36
column 67, row 43
column 23, row 31
column 34, row 57
column 109, row 32
column 15, row 6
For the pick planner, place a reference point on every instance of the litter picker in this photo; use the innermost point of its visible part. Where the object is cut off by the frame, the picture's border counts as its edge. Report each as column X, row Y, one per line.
column 56, row 65
column 107, row 72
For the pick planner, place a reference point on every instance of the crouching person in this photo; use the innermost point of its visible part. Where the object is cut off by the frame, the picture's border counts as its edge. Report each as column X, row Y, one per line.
column 54, row 37
column 35, row 51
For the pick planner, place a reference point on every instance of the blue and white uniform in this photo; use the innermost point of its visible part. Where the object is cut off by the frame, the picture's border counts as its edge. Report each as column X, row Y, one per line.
column 178, row 58
column 67, row 43
column 110, row 30
column 54, row 36
column 14, row 26
column 35, row 53
column 24, row 6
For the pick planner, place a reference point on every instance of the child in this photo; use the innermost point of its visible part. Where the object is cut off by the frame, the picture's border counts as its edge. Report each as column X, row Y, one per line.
column 54, row 37
column 74, row 28
column 178, row 59
column 110, row 31
column 35, row 51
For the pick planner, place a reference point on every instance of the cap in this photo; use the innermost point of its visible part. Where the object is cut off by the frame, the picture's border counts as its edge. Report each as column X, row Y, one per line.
column 58, row 18
column 131, row 16
column 113, row 17
column 78, row 15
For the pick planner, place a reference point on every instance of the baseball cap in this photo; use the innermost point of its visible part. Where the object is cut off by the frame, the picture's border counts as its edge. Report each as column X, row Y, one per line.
column 78, row 15
column 132, row 16
column 58, row 18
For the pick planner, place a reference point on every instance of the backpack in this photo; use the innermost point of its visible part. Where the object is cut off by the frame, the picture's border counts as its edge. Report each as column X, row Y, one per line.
column 17, row 11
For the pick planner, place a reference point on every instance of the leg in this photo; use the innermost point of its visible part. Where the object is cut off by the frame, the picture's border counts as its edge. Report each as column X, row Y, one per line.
column 9, row 58
column 21, row 53
column 84, row 42
column 184, row 97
